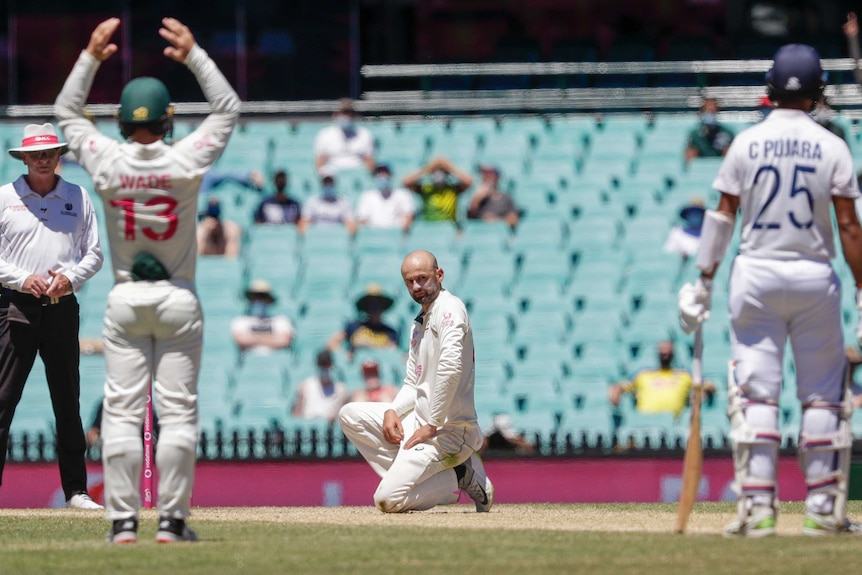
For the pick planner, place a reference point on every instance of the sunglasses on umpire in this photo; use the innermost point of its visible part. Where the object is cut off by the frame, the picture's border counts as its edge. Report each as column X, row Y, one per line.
column 42, row 154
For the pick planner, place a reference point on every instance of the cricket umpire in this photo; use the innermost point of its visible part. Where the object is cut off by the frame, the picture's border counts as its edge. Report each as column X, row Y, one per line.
column 153, row 324
column 49, row 246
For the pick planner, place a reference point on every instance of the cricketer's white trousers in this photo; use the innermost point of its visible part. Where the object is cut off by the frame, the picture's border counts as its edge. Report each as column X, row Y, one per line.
column 412, row 479
column 771, row 301
column 153, row 331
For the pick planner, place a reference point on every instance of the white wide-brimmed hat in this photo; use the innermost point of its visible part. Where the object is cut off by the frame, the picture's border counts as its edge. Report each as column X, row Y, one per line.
column 38, row 137
column 260, row 290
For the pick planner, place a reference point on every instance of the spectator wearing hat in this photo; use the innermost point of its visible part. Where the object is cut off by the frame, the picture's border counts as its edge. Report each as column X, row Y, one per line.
column 344, row 145
column 684, row 239
column 368, row 330
column 257, row 330
column 217, row 236
column 384, row 206
column 278, row 208
column 327, row 208
column 489, row 203
column 439, row 183
column 320, row 396
column 50, row 247
column 375, row 389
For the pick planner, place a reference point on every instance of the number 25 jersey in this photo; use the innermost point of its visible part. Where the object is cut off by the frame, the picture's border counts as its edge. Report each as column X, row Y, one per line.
column 785, row 170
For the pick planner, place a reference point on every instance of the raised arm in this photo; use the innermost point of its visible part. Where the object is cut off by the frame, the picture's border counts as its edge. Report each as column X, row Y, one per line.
column 851, row 30
column 203, row 146
column 85, row 141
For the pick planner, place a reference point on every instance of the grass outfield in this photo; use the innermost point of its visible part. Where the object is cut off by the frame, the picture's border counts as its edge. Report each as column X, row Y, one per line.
column 534, row 539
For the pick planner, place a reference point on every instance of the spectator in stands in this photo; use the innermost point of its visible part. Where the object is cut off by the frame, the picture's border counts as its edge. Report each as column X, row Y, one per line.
column 439, row 183
column 854, row 358
column 765, row 106
column 851, row 30
column 384, row 206
column 214, row 178
column 684, row 239
column 257, row 330
column 320, row 396
column 489, row 203
column 659, row 390
column 278, row 208
column 710, row 138
column 824, row 115
column 368, row 330
column 345, row 144
column 375, row 389
column 216, row 235
column 327, row 208
column 504, row 438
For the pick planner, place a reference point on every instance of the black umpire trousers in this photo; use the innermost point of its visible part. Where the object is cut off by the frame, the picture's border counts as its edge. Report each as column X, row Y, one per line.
column 30, row 325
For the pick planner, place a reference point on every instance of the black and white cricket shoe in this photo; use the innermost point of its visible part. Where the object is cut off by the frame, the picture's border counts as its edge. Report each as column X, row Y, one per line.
column 174, row 531
column 477, row 484
column 123, row 531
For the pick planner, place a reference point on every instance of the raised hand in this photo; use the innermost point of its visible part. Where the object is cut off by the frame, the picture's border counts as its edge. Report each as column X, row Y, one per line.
column 181, row 38
column 851, row 27
column 100, row 46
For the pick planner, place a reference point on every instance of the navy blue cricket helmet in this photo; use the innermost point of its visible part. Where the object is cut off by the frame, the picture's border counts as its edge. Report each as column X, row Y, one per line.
column 796, row 74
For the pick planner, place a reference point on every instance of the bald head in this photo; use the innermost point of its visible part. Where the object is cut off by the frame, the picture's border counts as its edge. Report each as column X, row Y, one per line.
column 665, row 353
column 422, row 277
column 420, row 259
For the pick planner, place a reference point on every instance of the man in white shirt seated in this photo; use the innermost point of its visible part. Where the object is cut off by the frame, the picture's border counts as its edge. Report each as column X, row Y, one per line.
column 258, row 330
column 384, row 206
column 320, row 396
column 327, row 208
column 344, row 145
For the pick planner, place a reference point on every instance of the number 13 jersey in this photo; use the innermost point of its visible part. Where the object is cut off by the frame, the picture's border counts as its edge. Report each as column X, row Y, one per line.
column 150, row 191
column 785, row 171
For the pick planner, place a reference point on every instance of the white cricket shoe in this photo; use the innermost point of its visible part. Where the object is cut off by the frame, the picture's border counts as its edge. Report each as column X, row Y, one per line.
column 760, row 522
column 477, row 484
column 82, row 501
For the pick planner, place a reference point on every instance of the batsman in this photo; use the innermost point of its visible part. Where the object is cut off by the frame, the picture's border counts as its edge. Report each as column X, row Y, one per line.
column 785, row 176
column 153, row 328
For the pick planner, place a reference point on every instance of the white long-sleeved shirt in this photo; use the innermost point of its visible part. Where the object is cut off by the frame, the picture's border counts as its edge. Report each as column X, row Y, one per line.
column 57, row 232
column 440, row 378
column 150, row 191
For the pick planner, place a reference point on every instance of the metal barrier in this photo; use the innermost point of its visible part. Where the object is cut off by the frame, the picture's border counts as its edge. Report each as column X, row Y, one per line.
column 427, row 100
column 572, row 99
column 327, row 444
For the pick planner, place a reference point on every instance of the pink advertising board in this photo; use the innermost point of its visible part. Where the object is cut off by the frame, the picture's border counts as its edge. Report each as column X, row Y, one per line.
column 331, row 483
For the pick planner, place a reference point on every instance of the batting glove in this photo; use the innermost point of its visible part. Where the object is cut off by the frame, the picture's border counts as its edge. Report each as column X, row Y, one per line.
column 859, row 309
column 694, row 304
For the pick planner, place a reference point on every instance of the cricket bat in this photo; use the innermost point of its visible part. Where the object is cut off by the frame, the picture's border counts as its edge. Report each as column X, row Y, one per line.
column 693, row 462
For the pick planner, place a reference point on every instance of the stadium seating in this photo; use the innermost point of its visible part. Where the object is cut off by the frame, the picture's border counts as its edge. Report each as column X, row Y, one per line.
column 573, row 299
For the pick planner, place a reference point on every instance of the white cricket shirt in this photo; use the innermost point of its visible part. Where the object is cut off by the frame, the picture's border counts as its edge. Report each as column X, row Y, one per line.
column 57, row 233
column 440, row 379
column 150, row 191
column 785, row 171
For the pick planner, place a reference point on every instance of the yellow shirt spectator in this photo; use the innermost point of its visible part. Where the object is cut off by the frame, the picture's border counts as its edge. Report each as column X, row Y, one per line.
column 660, row 390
